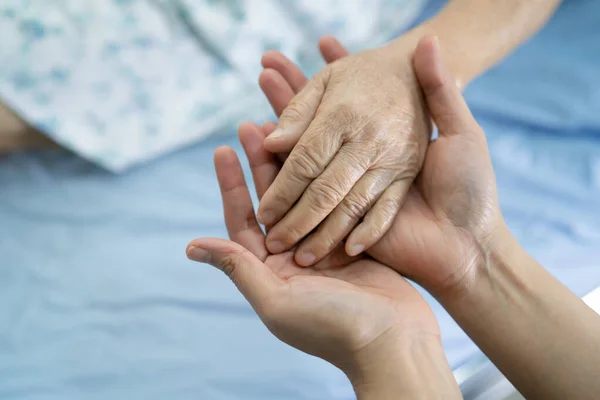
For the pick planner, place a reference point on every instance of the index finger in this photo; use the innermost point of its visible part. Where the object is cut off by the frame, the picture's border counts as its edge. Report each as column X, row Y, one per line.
column 237, row 203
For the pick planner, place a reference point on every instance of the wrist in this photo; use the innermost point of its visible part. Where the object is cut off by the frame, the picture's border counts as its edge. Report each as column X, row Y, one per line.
column 463, row 68
column 403, row 367
column 519, row 315
column 501, row 270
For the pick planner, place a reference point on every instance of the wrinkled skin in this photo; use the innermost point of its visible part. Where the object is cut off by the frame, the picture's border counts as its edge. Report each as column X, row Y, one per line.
column 342, row 309
column 357, row 133
column 450, row 218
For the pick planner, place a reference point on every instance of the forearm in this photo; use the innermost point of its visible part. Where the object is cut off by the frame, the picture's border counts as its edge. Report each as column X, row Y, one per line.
column 538, row 333
column 17, row 135
column 415, row 370
column 476, row 34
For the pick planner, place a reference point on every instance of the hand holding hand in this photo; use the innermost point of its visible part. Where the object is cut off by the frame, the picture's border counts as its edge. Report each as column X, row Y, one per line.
column 357, row 133
column 450, row 217
column 354, row 312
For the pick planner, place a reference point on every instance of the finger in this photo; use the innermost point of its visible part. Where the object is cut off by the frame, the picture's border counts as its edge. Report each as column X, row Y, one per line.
column 320, row 198
column 331, row 49
column 379, row 218
column 256, row 281
column 298, row 115
column 343, row 218
column 263, row 163
column 268, row 128
column 311, row 155
column 334, row 260
column 281, row 78
column 444, row 100
column 277, row 90
column 237, row 203
column 289, row 71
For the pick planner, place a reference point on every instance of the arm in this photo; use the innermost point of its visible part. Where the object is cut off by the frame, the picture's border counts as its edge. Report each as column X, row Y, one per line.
column 415, row 369
column 15, row 134
column 538, row 333
column 475, row 34
column 451, row 238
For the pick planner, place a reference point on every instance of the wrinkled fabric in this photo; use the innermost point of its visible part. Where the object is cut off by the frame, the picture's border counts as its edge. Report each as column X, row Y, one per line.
column 123, row 81
column 97, row 300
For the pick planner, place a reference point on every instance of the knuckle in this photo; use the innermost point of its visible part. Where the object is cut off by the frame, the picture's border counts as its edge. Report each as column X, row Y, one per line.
column 346, row 113
column 323, row 196
column 327, row 243
column 373, row 131
column 354, row 206
column 366, row 128
column 290, row 235
column 279, row 199
column 296, row 110
column 248, row 220
column 387, row 209
column 323, row 244
column 293, row 234
column 340, row 119
column 412, row 158
column 228, row 265
column 303, row 163
column 289, row 232
column 404, row 158
column 375, row 230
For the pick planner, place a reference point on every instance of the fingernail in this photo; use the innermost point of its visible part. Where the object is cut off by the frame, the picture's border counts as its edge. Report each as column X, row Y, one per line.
column 275, row 247
column 276, row 134
column 266, row 217
column 200, row 255
column 306, row 259
column 356, row 250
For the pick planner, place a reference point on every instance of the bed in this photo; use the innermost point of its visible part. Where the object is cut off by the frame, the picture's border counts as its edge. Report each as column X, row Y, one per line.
column 97, row 299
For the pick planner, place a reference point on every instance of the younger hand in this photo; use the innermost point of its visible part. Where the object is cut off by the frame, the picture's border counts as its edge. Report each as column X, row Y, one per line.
column 450, row 219
column 354, row 312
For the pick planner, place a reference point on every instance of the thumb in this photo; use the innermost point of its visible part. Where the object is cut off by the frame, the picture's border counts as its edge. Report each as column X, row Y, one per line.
column 444, row 99
column 253, row 278
column 298, row 115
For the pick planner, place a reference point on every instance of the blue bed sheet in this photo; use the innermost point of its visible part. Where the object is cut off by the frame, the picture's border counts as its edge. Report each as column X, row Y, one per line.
column 97, row 300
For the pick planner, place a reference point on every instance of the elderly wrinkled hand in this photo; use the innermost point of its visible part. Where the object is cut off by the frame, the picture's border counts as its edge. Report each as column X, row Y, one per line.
column 450, row 218
column 357, row 133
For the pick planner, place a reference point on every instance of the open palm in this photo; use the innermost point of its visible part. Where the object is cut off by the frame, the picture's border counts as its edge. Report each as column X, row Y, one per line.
column 336, row 308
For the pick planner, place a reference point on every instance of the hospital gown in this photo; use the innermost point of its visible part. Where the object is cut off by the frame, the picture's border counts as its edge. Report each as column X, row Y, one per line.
column 123, row 81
